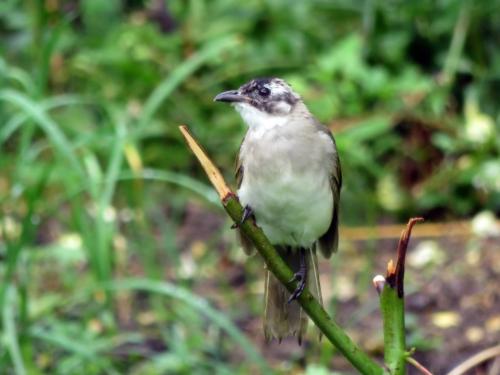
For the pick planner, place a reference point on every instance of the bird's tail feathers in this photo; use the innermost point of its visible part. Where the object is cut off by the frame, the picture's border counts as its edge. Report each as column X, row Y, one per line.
column 283, row 319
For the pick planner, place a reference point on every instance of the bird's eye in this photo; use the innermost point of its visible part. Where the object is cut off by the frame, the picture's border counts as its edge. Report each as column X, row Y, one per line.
column 264, row 91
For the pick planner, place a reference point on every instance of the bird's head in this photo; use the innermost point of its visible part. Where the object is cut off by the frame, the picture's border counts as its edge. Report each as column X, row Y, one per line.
column 262, row 99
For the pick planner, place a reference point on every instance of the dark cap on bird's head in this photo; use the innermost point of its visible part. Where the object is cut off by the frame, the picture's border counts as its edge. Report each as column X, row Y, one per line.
column 271, row 95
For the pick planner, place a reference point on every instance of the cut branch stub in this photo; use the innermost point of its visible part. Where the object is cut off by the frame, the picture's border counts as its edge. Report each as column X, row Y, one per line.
column 211, row 170
column 395, row 275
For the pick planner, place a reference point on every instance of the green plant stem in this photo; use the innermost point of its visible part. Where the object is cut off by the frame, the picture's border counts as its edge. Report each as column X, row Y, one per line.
column 311, row 306
column 392, row 308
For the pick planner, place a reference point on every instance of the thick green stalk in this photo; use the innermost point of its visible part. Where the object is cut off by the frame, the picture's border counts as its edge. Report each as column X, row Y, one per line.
column 392, row 308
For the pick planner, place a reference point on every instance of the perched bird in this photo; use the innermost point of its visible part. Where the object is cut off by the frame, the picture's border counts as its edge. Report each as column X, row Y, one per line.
column 289, row 179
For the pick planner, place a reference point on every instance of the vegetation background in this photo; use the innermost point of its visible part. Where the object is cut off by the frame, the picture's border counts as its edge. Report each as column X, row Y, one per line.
column 115, row 257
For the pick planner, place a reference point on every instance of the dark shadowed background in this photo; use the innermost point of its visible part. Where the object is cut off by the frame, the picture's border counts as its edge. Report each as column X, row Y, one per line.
column 115, row 255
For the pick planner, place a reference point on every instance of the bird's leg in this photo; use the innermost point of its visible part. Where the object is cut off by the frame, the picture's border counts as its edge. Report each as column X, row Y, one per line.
column 300, row 276
column 247, row 212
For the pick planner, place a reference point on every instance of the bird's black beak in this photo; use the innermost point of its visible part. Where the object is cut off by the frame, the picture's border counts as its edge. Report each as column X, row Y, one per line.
column 231, row 96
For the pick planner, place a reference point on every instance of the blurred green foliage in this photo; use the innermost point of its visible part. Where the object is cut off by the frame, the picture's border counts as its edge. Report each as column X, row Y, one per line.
column 91, row 93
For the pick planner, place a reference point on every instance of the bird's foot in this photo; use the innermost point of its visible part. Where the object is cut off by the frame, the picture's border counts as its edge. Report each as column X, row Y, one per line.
column 247, row 213
column 300, row 276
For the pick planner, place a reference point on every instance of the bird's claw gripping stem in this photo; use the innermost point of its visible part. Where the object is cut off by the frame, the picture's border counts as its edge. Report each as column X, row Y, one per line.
column 300, row 276
column 300, row 286
column 247, row 212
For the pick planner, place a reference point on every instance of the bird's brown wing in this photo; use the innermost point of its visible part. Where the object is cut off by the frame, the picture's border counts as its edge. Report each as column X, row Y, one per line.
column 245, row 242
column 328, row 242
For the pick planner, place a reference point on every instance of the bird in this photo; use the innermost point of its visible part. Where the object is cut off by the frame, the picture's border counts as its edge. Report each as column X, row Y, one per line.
column 289, row 179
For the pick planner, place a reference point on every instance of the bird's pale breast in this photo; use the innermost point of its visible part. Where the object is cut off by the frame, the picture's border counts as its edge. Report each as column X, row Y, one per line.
column 286, row 181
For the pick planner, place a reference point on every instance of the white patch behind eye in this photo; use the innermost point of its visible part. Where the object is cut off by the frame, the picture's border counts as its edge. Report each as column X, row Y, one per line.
column 282, row 107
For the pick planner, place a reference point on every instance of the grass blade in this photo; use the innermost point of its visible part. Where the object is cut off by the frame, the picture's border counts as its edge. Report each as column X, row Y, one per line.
column 79, row 348
column 35, row 111
column 178, row 179
column 10, row 334
column 168, row 85
column 17, row 120
column 200, row 305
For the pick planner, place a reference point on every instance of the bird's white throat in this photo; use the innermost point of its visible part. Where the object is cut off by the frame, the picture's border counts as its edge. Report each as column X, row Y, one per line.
column 260, row 121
